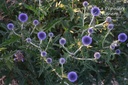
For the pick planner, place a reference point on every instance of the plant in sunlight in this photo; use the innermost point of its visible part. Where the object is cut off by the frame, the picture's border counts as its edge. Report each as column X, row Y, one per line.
column 65, row 42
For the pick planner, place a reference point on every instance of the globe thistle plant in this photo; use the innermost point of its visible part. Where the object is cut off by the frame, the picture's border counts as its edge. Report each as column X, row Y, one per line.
column 50, row 34
column 86, row 40
column 97, row 55
column 41, row 35
column 108, row 19
column 23, row 17
column 35, row 22
column 72, row 76
column 76, row 48
column 62, row 61
column 112, row 47
column 28, row 40
column 49, row 60
column 110, row 26
column 117, row 51
column 90, row 30
column 122, row 37
column 43, row 53
column 85, row 3
column 10, row 26
column 62, row 41
column 95, row 11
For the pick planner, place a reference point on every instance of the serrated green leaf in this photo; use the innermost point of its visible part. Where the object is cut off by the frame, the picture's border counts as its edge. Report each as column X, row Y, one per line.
column 9, row 64
column 71, row 12
column 52, row 24
column 32, row 8
column 10, row 41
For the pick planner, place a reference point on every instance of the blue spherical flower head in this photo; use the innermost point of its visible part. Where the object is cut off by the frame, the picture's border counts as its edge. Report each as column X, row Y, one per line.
column 90, row 31
column 122, row 37
column 117, row 51
column 62, row 41
column 43, row 53
column 10, row 26
column 41, row 35
column 72, row 76
column 110, row 26
column 112, row 46
column 28, row 40
column 35, row 22
column 86, row 40
column 23, row 17
column 97, row 55
column 85, row 3
column 108, row 19
column 95, row 11
column 49, row 60
column 62, row 61
column 50, row 34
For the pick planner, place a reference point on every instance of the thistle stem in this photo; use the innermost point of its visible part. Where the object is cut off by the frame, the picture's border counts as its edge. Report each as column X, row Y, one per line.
column 40, row 42
column 39, row 7
column 83, row 16
column 91, row 21
column 62, row 69
column 55, row 72
column 34, row 45
column 39, row 3
column 48, row 43
column 16, row 33
column 33, row 30
column 22, row 26
column 67, row 50
column 78, row 49
column 53, row 69
column 92, row 59
column 105, row 37
column 101, row 24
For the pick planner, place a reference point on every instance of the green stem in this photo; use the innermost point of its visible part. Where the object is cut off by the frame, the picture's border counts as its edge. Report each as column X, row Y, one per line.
column 48, row 44
column 55, row 72
column 53, row 69
column 84, row 16
column 33, row 30
column 40, row 42
column 101, row 24
column 16, row 33
column 22, row 26
column 62, row 69
column 39, row 7
column 67, row 50
column 92, row 59
column 39, row 3
column 34, row 45
column 105, row 38
column 83, row 32
column 91, row 21
column 78, row 50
